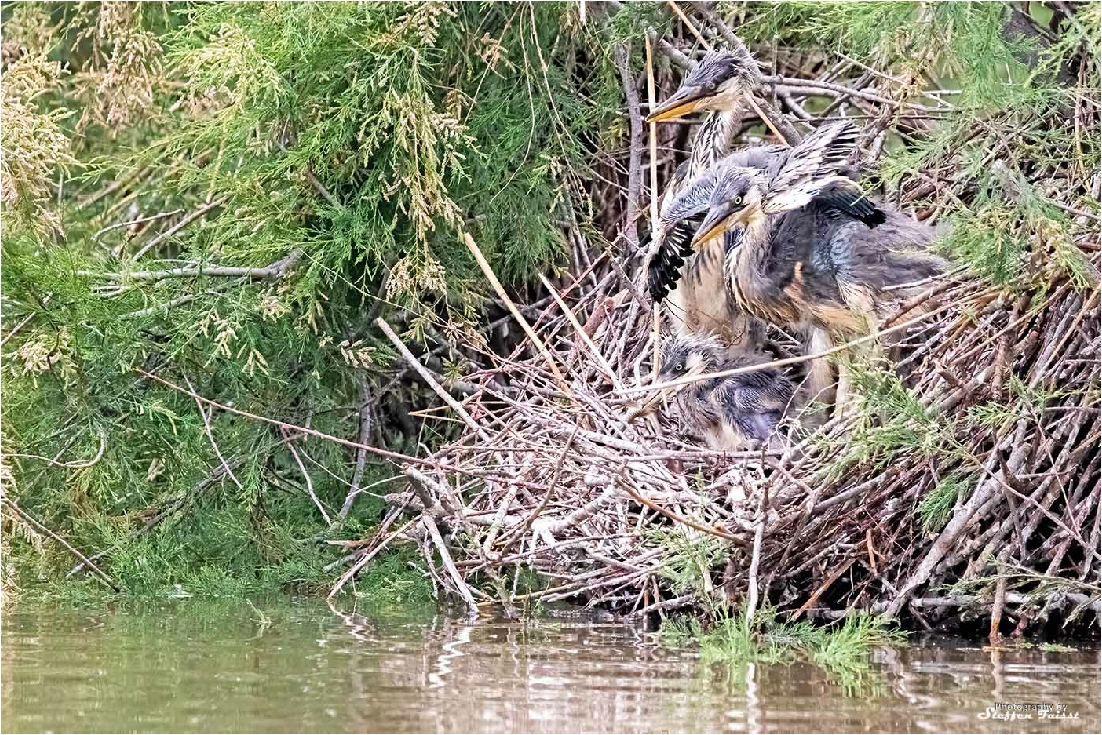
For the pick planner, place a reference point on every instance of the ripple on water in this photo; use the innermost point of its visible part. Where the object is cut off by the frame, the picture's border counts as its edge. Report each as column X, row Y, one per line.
column 200, row 666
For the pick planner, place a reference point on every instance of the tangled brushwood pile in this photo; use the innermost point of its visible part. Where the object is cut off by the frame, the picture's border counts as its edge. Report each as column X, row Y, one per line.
column 851, row 517
column 962, row 480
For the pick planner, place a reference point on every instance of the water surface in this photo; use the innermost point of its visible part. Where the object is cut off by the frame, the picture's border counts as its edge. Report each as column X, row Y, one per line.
column 193, row 666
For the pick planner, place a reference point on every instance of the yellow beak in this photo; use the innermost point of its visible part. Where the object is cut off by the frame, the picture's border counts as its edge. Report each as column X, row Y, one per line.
column 680, row 103
column 712, row 228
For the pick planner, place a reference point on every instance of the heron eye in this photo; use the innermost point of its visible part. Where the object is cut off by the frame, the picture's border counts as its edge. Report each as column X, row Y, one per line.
column 680, row 367
column 737, row 200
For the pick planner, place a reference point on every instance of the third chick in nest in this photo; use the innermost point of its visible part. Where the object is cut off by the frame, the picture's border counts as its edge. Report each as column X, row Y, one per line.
column 728, row 413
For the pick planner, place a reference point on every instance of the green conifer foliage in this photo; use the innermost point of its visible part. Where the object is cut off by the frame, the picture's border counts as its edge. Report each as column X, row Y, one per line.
column 338, row 149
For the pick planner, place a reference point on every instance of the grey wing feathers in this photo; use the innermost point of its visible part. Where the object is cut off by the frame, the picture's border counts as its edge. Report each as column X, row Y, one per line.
column 694, row 197
column 823, row 154
column 895, row 253
column 754, row 402
column 765, row 157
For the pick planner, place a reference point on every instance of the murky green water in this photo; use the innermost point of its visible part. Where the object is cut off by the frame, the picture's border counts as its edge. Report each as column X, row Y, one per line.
column 194, row 666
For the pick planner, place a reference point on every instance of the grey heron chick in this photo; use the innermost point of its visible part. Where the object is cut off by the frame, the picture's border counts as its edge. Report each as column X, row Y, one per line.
column 727, row 413
column 699, row 303
column 821, row 158
column 840, row 273
column 692, row 276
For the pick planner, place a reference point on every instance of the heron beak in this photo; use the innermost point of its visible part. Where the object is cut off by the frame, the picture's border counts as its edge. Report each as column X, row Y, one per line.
column 714, row 224
column 648, row 403
column 681, row 102
column 665, row 395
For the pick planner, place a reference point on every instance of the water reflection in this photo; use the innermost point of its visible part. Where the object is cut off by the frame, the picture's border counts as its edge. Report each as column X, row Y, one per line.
column 196, row 666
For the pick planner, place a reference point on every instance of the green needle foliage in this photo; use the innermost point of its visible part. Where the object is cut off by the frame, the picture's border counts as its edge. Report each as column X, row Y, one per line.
column 937, row 505
column 339, row 148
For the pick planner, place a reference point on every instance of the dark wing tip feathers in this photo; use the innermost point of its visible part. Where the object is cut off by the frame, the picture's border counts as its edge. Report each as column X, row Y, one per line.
column 875, row 217
column 851, row 202
column 664, row 270
column 663, row 274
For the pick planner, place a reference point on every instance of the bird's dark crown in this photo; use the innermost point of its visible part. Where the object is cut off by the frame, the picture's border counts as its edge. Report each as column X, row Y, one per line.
column 716, row 81
column 736, row 188
column 733, row 185
column 719, row 67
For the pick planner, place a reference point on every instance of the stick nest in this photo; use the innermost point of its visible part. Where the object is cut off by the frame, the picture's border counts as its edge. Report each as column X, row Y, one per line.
column 963, row 481
column 980, row 474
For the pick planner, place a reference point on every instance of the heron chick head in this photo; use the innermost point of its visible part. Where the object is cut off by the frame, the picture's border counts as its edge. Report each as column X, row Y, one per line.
column 717, row 81
column 736, row 196
column 690, row 355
